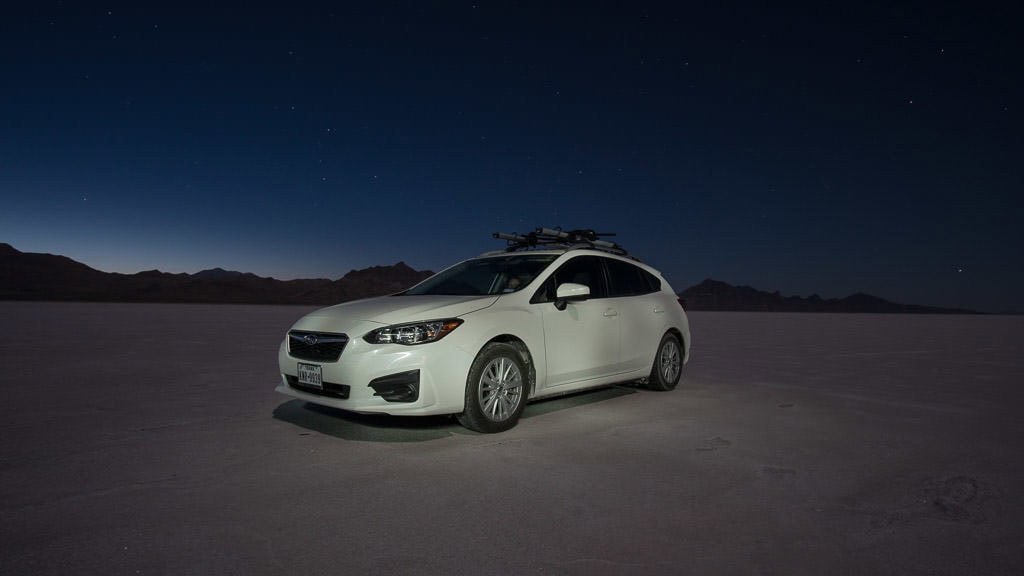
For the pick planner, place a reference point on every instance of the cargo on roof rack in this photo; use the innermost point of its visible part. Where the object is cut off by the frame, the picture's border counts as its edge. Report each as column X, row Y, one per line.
column 558, row 238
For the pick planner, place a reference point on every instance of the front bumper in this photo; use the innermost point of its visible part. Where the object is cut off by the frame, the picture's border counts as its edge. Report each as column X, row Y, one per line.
column 420, row 380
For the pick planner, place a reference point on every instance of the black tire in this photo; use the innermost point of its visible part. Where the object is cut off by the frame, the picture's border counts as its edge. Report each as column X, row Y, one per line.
column 496, row 389
column 668, row 364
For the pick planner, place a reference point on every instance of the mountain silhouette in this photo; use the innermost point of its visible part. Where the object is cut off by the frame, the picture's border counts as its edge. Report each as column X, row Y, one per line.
column 31, row 276
column 717, row 295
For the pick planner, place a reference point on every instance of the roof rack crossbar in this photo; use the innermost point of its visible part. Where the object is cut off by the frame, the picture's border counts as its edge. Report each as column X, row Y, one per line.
column 558, row 238
column 510, row 237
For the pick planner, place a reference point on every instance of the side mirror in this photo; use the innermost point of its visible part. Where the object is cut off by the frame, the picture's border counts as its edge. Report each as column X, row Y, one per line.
column 570, row 292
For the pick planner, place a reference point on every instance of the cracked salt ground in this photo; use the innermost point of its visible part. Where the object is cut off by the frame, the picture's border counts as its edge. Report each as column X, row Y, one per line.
column 715, row 443
column 777, row 471
column 959, row 499
column 778, row 454
column 955, row 499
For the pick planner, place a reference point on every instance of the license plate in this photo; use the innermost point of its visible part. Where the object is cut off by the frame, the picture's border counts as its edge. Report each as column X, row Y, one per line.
column 311, row 375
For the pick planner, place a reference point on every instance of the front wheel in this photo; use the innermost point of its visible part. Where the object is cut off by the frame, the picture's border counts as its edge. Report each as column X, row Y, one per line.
column 495, row 390
column 668, row 364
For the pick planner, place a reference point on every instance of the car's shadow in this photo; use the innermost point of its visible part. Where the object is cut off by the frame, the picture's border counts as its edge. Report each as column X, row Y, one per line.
column 383, row 428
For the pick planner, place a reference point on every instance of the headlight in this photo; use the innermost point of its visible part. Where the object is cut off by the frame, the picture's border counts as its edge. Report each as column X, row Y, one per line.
column 413, row 333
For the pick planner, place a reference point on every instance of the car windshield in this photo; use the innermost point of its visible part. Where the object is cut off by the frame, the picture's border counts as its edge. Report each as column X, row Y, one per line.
column 485, row 276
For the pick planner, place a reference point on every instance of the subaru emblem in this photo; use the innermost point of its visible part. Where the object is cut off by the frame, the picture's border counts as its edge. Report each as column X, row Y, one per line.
column 310, row 340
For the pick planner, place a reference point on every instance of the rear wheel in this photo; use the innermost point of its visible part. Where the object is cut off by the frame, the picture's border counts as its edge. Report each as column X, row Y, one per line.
column 668, row 364
column 495, row 389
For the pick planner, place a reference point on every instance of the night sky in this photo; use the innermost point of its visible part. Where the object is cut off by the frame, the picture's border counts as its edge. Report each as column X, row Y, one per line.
column 820, row 147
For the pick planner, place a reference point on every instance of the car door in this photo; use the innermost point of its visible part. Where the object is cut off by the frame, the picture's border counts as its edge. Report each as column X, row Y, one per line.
column 641, row 315
column 581, row 341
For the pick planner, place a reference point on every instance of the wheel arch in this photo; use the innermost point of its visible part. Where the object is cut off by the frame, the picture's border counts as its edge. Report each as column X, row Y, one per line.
column 683, row 348
column 524, row 352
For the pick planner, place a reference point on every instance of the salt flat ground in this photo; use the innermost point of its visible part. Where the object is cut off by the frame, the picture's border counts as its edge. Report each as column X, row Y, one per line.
column 147, row 439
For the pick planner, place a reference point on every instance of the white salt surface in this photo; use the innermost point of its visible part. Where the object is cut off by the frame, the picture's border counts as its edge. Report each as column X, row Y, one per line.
column 147, row 439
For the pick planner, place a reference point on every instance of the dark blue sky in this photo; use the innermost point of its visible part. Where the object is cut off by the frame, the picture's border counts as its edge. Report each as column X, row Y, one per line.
column 806, row 148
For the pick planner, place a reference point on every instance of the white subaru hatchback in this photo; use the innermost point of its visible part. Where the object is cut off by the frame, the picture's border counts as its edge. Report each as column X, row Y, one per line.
column 556, row 312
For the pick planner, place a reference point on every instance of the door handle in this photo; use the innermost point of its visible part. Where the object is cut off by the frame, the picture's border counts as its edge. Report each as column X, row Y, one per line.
column 611, row 312
column 658, row 310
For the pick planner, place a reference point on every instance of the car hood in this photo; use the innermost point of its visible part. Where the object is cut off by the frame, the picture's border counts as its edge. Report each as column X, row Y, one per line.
column 365, row 314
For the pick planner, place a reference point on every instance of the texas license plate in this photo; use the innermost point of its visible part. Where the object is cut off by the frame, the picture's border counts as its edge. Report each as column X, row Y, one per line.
column 311, row 375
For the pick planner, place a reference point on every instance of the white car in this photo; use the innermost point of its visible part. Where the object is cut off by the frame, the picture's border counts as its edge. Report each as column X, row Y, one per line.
column 556, row 312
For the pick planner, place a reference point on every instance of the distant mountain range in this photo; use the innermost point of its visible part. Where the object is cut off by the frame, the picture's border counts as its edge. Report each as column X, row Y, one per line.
column 715, row 295
column 29, row 276
column 32, row 276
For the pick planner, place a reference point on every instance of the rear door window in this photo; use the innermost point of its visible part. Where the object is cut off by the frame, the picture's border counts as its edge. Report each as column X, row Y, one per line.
column 625, row 279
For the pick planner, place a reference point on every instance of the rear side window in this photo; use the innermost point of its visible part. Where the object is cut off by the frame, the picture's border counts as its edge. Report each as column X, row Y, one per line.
column 625, row 279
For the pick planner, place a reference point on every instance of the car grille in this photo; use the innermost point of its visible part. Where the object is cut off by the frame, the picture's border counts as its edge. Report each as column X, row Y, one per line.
column 333, row 390
column 316, row 346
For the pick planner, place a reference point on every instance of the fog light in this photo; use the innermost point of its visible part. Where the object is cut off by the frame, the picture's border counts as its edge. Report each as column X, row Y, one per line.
column 401, row 387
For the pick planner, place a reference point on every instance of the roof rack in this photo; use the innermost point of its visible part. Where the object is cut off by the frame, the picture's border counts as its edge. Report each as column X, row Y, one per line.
column 558, row 238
